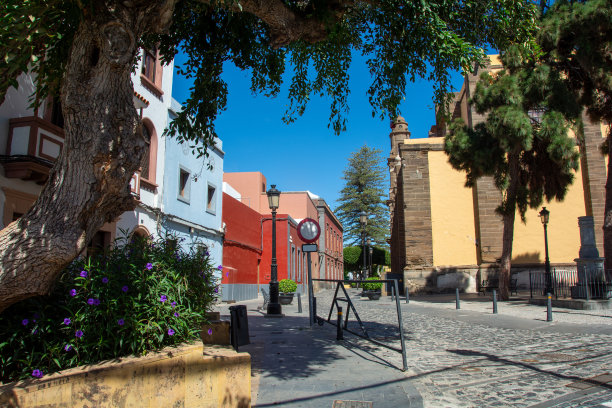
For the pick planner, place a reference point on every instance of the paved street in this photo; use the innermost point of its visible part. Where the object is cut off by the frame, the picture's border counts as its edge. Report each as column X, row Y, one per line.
column 456, row 358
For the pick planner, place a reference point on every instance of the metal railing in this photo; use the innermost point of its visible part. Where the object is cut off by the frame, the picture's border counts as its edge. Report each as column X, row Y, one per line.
column 581, row 283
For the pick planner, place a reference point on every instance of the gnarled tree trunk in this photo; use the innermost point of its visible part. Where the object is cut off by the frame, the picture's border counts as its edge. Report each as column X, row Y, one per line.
column 89, row 184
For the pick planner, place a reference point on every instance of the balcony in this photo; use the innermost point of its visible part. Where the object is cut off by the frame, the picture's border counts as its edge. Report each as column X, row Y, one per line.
column 33, row 146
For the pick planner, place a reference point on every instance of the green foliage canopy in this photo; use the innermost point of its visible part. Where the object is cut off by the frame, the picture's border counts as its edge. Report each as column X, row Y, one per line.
column 400, row 41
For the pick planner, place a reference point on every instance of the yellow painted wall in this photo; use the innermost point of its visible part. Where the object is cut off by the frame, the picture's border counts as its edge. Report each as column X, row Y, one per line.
column 563, row 231
column 452, row 214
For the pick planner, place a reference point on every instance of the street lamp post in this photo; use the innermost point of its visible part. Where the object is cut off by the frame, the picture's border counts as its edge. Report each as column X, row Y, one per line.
column 371, row 249
column 369, row 246
column 363, row 220
column 544, row 214
column 274, row 308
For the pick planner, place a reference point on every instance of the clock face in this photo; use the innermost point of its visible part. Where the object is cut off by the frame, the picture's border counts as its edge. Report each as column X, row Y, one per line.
column 309, row 230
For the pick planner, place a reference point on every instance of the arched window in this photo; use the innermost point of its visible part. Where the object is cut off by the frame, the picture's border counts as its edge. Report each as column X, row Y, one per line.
column 149, row 159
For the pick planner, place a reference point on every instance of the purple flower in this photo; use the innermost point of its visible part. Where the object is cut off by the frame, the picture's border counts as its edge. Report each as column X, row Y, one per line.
column 73, row 292
column 163, row 298
column 78, row 333
column 210, row 332
column 217, row 289
column 37, row 373
column 67, row 347
column 125, row 288
column 220, row 267
column 176, row 314
column 170, row 332
column 105, row 280
column 120, row 322
column 96, row 302
column 25, row 322
column 67, row 321
column 83, row 274
column 206, row 253
column 227, row 274
column 149, row 266
column 35, row 331
column 90, row 301
column 173, row 304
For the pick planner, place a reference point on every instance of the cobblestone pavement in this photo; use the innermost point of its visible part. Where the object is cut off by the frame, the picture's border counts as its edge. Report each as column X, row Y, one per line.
column 471, row 358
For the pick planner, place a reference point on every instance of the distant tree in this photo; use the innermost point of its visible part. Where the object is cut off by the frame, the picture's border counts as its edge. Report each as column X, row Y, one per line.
column 364, row 190
column 524, row 143
column 353, row 259
column 576, row 39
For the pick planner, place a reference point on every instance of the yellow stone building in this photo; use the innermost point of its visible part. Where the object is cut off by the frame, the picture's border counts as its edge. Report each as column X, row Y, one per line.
column 445, row 235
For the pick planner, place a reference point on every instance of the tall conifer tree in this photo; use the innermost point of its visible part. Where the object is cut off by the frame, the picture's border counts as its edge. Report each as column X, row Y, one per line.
column 364, row 190
column 524, row 143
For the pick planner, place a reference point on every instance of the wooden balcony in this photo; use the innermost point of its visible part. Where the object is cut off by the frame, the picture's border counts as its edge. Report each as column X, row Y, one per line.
column 33, row 146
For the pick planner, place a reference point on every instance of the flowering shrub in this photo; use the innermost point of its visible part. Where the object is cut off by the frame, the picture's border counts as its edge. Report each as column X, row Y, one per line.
column 140, row 296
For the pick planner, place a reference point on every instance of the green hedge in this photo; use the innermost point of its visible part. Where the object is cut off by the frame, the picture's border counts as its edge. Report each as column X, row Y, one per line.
column 373, row 285
column 140, row 296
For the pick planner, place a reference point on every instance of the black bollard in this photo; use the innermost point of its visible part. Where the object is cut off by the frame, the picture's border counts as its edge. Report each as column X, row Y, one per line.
column 549, row 308
column 299, row 303
column 407, row 295
column 494, row 301
column 457, row 305
column 339, row 334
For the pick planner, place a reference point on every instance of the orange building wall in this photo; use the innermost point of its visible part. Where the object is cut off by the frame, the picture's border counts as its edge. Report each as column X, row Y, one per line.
column 251, row 186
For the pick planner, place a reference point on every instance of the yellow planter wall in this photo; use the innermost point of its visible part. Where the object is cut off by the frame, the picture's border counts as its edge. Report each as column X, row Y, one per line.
column 187, row 376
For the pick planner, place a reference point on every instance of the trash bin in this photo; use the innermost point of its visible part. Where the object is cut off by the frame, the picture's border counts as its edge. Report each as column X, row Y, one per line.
column 239, row 326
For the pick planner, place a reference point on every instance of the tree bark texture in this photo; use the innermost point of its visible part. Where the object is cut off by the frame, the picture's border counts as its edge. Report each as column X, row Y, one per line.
column 89, row 184
column 508, row 233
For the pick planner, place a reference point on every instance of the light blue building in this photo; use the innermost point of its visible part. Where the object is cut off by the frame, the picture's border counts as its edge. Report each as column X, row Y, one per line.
column 192, row 194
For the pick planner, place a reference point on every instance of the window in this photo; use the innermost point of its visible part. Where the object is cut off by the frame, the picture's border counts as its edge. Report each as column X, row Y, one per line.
column 148, row 64
column 211, row 199
column 184, row 186
column 146, row 134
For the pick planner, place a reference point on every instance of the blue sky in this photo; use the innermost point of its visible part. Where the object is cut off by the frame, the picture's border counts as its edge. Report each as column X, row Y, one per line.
column 306, row 155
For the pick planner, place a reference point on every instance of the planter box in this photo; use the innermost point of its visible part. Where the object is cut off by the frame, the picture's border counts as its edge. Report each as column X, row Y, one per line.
column 285, row 298
column 185, row 376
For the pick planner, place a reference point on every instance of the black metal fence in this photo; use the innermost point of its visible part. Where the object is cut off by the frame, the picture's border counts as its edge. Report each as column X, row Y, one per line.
column 580, row 283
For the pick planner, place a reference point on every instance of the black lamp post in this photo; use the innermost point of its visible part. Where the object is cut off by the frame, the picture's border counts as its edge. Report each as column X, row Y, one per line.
column 370, row 252
column 363, row 220
column 544, row 214
column 274, row 308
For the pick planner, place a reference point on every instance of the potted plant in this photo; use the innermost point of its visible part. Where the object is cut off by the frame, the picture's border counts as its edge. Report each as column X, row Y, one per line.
column 372, row 289
column 286, row 289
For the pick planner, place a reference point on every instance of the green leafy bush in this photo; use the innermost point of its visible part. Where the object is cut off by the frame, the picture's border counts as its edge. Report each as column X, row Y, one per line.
column 140, row 296
column 287, row 286
column 372, row 285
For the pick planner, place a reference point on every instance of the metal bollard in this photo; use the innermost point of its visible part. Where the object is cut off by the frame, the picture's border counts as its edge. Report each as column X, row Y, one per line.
column 494, row 301
column 549, row 308
column 314, row 307
column 299, row 303
column 339, row 333
column 457, row 305
column 407, row 295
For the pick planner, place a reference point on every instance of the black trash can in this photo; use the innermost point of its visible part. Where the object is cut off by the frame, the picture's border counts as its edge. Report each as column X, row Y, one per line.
column 239, row 326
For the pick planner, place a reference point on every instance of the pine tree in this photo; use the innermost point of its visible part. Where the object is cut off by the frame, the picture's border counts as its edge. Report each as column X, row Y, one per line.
column 576, row 39
column 524, row 143
column 364, row 190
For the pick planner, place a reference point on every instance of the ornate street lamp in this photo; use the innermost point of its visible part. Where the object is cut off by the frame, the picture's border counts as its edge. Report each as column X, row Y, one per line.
column 274, row 308
column 544, row 214
column 363, row 220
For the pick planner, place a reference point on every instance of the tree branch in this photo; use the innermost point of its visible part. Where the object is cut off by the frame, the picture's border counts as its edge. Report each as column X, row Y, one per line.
column 285, row 24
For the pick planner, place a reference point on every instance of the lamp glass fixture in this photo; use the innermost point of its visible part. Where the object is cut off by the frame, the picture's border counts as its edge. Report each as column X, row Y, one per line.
column 363, row 218
column 544, row 214
column 273, row 197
